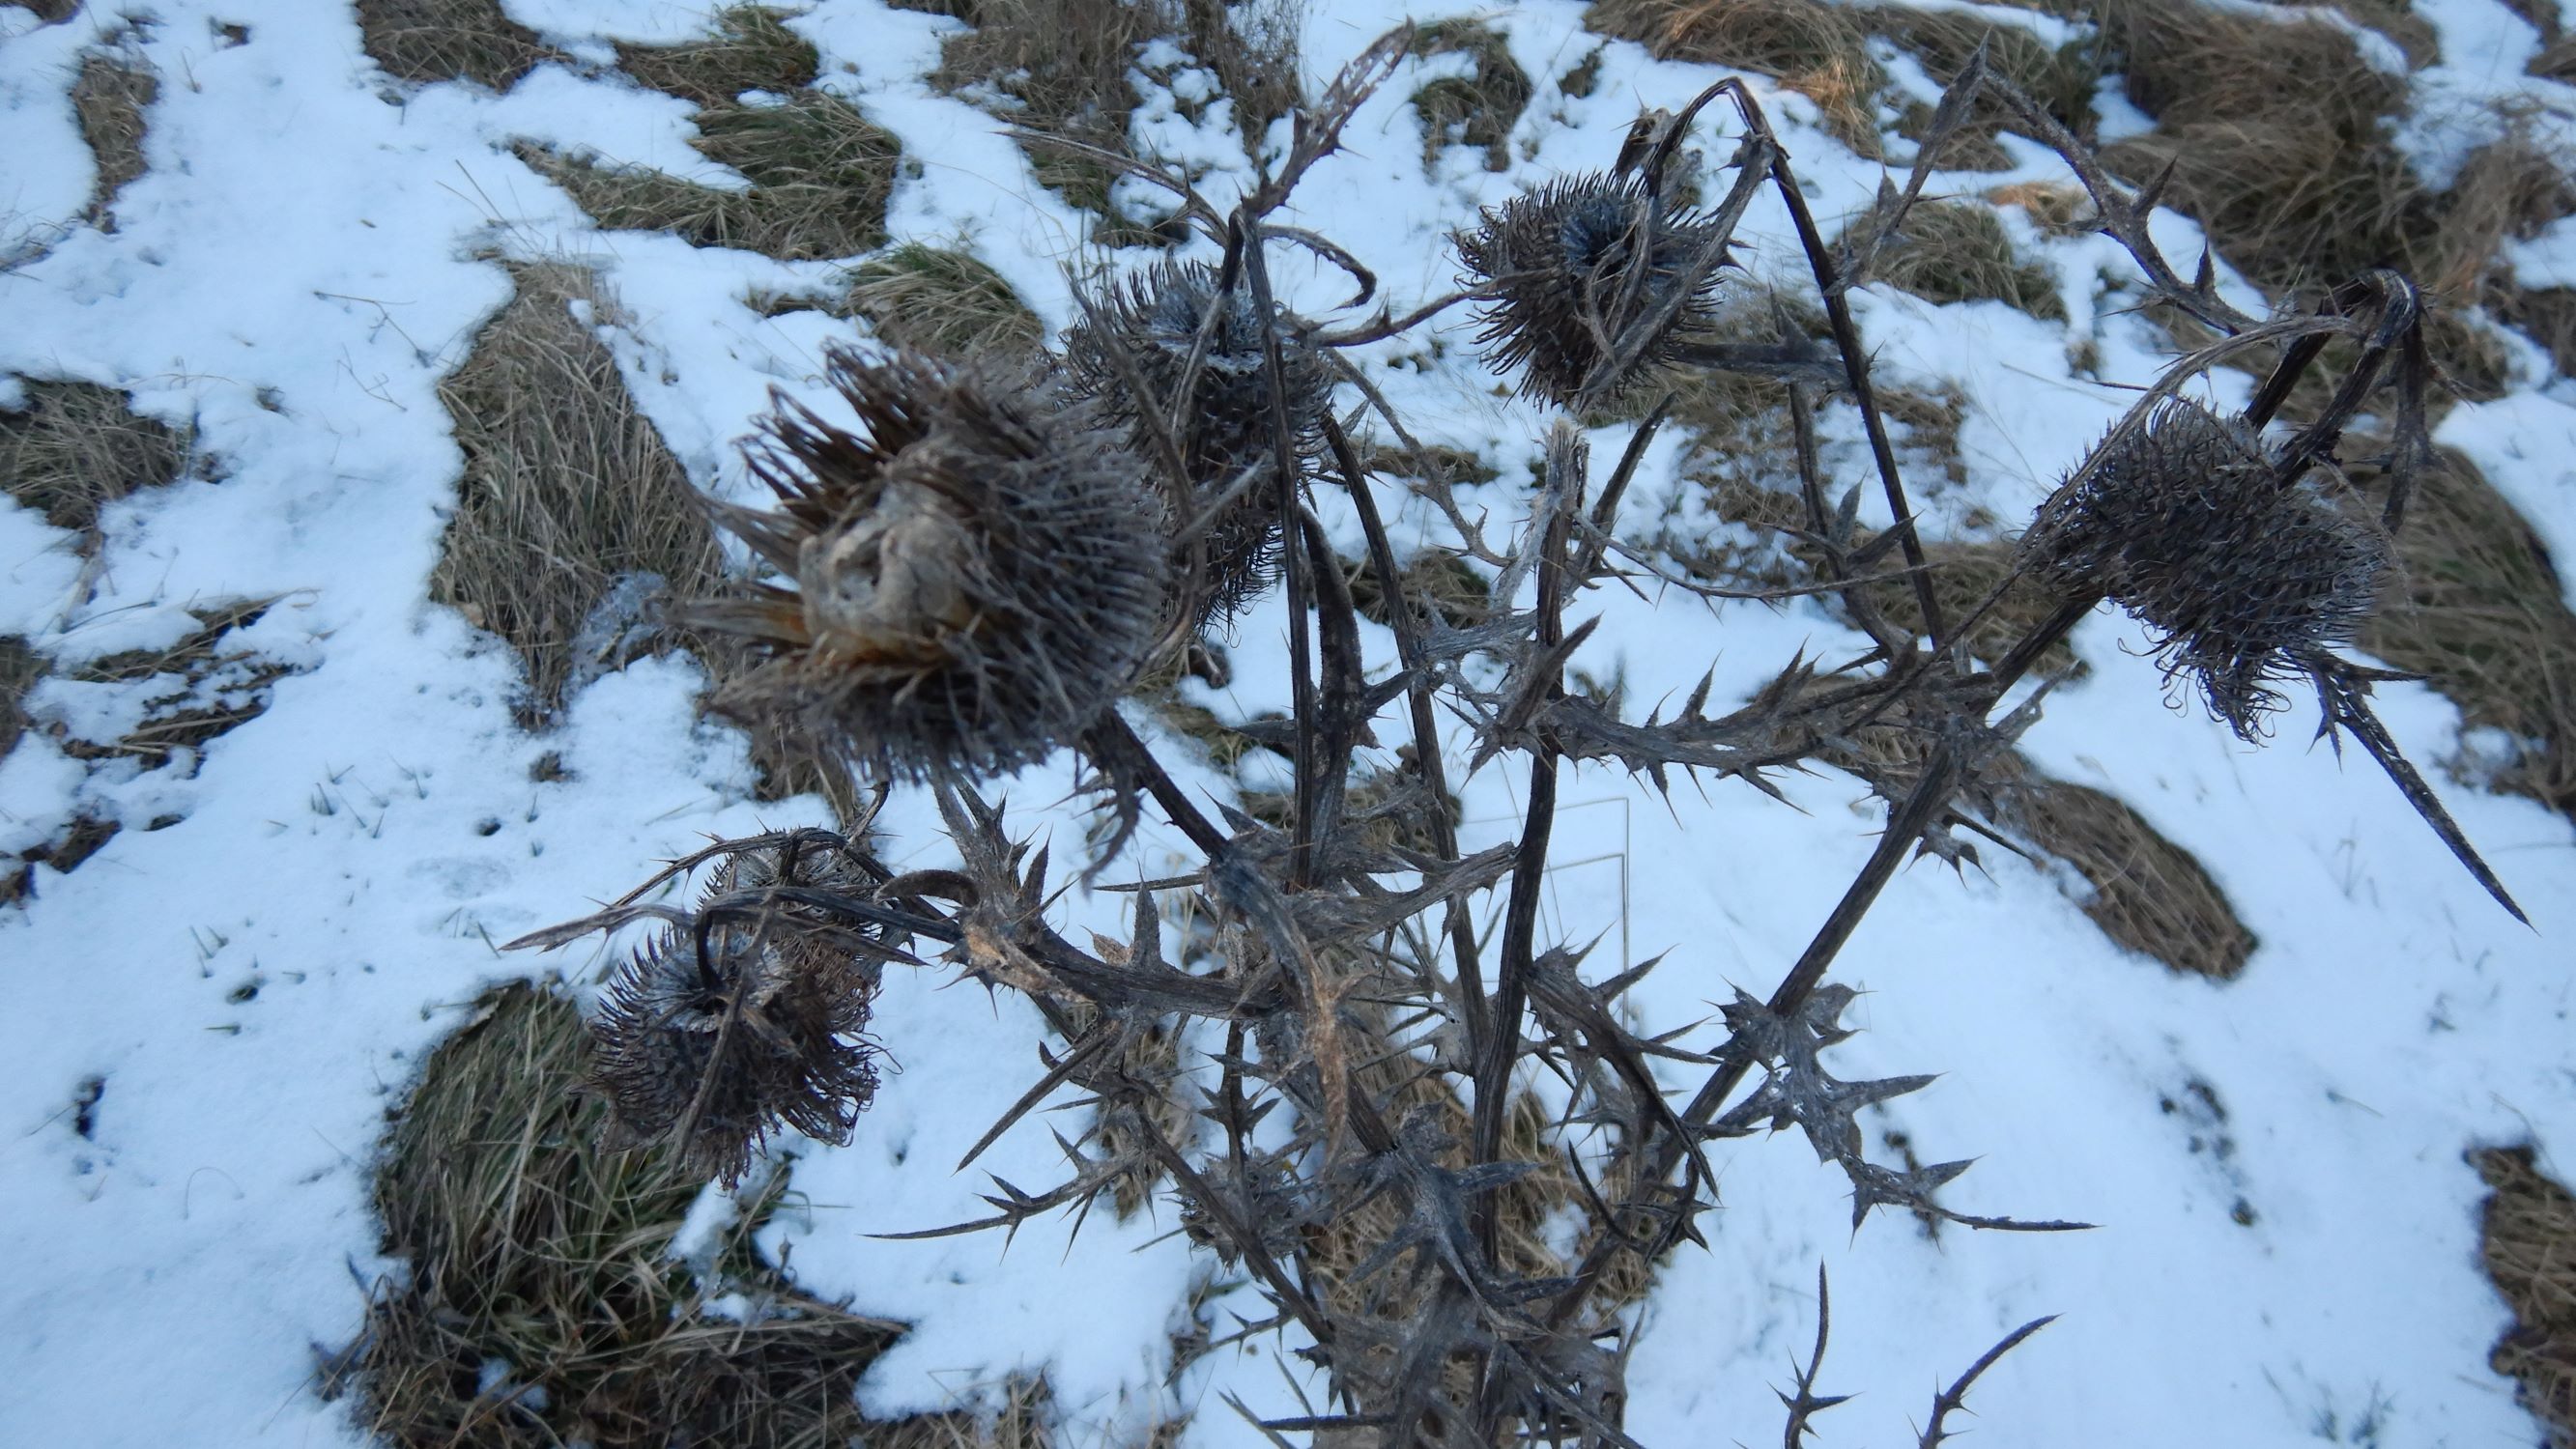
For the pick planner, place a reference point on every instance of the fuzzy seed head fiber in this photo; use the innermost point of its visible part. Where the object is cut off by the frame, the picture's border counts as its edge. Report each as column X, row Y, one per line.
column 977, row 570
column 1569, row 300
column 1147, row 327
column 2183, row 525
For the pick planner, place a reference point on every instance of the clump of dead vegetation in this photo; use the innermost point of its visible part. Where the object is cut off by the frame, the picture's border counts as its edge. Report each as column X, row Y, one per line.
column 2145, row 892
column 193, row 690
column 111, row 101
column 1476, row 109
column 183, row 695
column 438, row 40
column 820, row 174
column 542, row 1305
column 819, row 171
column 2528, row 1234
column 2478, row 613
column 572, row 512
column 942, row 300
column 77, row 447
column 1058, row 71
column 1952, row 251
column 20, row 668
column 751, row 50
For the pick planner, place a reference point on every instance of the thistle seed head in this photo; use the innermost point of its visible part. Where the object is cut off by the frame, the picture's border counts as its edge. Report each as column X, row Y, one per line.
column 1147, row 327
column 769, row 1032
column 1568, row 299
column 2182, row 524
column 977, row 572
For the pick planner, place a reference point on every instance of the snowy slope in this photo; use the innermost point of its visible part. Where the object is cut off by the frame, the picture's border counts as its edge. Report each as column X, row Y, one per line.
column 310, row 254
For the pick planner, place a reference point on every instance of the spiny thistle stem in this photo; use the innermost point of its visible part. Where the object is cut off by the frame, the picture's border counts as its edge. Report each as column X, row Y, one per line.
column 1855, row 360
column 1564, row 498
column 1931, row 794
column 1301, row 666
column 1426, row 735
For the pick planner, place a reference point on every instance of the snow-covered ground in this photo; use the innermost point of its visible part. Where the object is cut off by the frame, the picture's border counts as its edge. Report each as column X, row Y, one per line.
column 2288, row 1241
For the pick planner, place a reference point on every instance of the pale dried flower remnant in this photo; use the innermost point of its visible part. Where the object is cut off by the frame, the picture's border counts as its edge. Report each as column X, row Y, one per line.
column 971, row 577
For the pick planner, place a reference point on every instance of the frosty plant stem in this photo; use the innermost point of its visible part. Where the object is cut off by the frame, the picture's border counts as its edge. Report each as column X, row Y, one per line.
column 1355, row 1156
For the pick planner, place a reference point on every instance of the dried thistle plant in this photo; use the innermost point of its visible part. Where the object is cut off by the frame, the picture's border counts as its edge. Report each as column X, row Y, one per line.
column 929, row 586
column 972, row 577
column 2182, row 520
column 1591, row 281
column 752, row 1018
column 1170, row 347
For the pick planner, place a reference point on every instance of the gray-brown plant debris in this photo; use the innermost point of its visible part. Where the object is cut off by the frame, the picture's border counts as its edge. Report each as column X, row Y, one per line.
column 970, row 578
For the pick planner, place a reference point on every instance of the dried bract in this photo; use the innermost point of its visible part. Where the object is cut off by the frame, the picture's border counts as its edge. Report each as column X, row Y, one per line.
column 974, row 575
column 1570, row 309
column 2182, row 523
column 1146, row 331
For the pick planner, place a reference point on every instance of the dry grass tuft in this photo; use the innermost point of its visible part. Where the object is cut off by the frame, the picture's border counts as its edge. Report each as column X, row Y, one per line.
column 752, row 50
column 1956, row 251
column 820, row 174
column 944, row 302
column 2274, row 134
column 2557, row 61
column 20, row 668
column 78, row 448
column 2547, row 316
column 1478, row 109
column 1061, row 66
column 2060, row 79
column 2480, row 616
column 85, row 837
column 1815, row 49
column 568, row 492
column 110, row 100
column 1252, row 47
column 436, row 40
column 541, row 1307
column 2149, row 894
column 2528, row 1236
column 202, row 689
column 1963, row 573
column 191, row 691
column 1436, row 577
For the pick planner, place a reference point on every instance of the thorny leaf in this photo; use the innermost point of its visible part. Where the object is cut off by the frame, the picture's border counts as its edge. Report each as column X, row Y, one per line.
column 1797, row 1089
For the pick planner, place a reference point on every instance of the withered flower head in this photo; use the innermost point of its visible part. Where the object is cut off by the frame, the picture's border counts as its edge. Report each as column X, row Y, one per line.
column 2183, row 525
column 769, row 1031
column 1568, row 297
column 1147, row 328
column 977, row 572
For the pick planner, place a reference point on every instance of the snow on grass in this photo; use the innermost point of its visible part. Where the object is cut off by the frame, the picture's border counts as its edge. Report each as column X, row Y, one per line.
column 2288, row 1239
